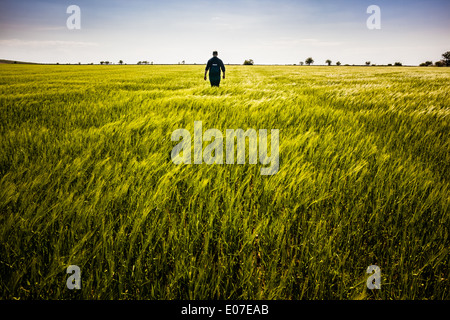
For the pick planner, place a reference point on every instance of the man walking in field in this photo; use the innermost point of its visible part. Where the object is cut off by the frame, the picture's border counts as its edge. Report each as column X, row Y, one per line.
column 214, row 65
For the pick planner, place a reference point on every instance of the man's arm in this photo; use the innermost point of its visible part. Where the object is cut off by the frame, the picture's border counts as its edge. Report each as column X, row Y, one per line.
column 223, row 68
column 208, row 65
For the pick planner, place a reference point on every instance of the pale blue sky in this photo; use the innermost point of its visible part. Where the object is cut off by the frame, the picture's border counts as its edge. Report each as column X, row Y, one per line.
column 267, row 31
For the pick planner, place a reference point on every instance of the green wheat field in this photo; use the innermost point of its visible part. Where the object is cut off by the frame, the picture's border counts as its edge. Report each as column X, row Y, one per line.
column 86, row 179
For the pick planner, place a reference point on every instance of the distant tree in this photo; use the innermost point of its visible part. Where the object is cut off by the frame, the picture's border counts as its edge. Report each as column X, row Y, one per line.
column 426, row 64
column 102, row 62
column 338, row 63
column 328, row 62
column 106, row 62
column 301, row 63
column 389, row 64
column 120, row 62
column 79, row 62
column 439, row 63
column 183, row 62
column 368, row 63
column 249, row 62
column 309, row 61
column 446, row 59
column 151, row 63
column 398, row 64
column 139, row 62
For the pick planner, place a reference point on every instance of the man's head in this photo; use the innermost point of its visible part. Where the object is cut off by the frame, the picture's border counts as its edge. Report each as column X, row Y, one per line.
column 215, row 54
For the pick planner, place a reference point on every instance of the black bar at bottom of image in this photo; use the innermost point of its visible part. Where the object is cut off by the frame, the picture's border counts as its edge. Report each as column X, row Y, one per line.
column 221, row 309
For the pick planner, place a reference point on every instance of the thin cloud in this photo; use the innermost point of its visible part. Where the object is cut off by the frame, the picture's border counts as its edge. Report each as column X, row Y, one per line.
column 51, row 28
column 289, row 42
column 46, row 43
column 320, row 43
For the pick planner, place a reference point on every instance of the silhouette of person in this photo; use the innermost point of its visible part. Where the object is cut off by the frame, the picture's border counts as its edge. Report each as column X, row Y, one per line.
column 215, row 65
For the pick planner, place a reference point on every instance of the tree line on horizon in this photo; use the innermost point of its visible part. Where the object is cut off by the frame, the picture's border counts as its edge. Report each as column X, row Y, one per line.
column 444, row 62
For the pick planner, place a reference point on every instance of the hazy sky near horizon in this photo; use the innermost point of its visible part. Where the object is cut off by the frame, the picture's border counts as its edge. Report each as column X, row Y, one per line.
column 267, row 31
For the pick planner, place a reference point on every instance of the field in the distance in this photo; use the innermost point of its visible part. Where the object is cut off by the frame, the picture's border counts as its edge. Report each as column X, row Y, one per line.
column 86, row 179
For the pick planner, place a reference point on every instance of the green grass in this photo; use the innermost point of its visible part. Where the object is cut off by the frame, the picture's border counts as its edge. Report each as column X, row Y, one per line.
column 86, row 179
